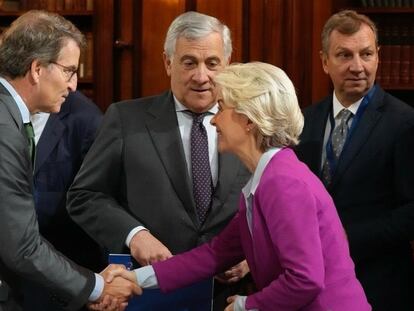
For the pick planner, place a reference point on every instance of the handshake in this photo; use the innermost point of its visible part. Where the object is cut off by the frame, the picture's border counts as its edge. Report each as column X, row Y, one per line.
column 120, row 285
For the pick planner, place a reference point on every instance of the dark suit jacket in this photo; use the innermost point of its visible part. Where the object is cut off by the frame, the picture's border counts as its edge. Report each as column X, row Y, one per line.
column 135, row 174
column 24, row 254
column 60, row 151
column 373, row 192
column 62, row 146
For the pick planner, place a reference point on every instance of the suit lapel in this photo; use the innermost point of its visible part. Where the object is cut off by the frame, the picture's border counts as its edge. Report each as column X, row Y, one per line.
column 162, row 126
column 360, row 136
column 316, row 134
column 51, row 135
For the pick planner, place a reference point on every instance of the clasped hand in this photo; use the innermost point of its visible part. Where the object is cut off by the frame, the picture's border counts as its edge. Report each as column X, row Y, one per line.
column 120, row 286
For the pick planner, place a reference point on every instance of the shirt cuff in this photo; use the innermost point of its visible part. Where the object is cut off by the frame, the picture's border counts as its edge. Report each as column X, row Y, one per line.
column 146, row 277
column 98, row 289
column 240, row 304
column 132, row 233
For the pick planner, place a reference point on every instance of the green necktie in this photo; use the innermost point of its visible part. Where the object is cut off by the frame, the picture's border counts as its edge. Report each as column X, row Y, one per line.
column 31, row 137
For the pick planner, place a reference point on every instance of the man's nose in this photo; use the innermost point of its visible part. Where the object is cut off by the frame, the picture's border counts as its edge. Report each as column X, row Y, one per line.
column 356, row 64
column 201, row 74
column 73, row 82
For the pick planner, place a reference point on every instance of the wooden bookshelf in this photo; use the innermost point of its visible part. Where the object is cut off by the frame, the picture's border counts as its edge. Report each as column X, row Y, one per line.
column 95, row 19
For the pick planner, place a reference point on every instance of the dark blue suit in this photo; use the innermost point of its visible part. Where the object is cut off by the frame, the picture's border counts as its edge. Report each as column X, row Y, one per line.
column 373, row 192
column 62, row 146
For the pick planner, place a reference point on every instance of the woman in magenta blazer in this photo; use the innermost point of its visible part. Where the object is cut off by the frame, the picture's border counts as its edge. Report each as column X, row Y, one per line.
column 287, row 226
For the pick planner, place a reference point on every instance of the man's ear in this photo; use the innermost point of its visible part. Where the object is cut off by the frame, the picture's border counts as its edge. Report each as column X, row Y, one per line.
column 324, row 60
column 36, row 70
column 167, row 63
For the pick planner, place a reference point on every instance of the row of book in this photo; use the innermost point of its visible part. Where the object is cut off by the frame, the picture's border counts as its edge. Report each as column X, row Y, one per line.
column 396, row 61
column 387, row 3
column 50, row 5
column 396, row 65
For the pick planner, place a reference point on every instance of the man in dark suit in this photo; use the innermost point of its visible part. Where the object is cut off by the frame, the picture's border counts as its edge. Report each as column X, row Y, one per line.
column 39, row 56
column 371, row 180
column 134, row 192
column 62, row 141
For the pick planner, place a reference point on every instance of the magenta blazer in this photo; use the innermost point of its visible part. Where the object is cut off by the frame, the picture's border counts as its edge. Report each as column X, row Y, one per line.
column 297, row 252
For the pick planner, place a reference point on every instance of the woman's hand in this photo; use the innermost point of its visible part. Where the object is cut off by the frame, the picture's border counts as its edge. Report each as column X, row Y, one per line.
column 234, row 274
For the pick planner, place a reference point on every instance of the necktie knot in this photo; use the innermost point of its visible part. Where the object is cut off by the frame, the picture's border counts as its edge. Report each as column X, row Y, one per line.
column 29, row 130
column 198, row 117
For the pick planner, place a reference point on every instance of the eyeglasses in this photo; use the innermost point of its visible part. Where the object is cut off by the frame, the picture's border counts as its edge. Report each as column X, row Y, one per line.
column 68, row 72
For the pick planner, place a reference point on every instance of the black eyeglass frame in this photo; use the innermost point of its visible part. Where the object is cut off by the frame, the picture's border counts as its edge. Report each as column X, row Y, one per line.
column 68, row 71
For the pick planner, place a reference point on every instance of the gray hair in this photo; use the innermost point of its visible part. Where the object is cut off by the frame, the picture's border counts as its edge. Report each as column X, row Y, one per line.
column 35, row 35
column 192, row 25
column 267, row 97
column 346, row 22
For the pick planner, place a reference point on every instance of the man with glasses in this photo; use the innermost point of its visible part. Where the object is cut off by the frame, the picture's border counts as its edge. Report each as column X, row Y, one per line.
column 39, row 55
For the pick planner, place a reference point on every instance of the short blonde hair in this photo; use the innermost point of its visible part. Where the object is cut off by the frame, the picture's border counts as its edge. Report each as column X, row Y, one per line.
column 265, row 95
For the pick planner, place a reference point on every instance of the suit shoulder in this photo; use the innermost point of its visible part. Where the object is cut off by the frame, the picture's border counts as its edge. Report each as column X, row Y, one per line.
column 317, row 107
column 77, row 103
column 140, row 104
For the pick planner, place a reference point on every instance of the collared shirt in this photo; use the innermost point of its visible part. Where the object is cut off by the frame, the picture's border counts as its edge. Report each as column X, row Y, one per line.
column 250, row 188
column 24, row 111
column 39, row 121
column 336, row 108
column 185, row 121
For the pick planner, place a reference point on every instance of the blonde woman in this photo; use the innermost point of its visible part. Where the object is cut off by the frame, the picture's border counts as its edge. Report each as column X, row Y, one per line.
column 287, row 226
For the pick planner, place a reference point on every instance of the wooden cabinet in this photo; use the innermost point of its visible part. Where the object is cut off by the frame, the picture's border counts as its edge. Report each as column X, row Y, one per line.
column 95, row 19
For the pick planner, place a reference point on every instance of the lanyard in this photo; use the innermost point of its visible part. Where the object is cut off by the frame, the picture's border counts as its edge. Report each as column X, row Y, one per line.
column 329, row 149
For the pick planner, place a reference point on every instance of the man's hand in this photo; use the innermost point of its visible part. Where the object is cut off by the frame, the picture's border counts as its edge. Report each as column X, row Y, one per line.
column 234, row 274
column 146, row 249
column 108, row 303
column 116, row 293
column 230, row 300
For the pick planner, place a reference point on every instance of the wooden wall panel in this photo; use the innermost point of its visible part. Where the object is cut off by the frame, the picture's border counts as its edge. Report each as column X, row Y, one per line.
column 285, row 33
column 320, row 82
column 124, row 52
column 157, row 15
column 104, row 81
column 230, row 12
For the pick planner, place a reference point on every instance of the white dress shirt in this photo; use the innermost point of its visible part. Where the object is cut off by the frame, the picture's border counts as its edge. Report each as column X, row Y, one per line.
column 185, row 121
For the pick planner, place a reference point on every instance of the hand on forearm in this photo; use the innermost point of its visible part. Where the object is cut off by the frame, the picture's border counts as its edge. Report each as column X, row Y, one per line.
column 146, row 249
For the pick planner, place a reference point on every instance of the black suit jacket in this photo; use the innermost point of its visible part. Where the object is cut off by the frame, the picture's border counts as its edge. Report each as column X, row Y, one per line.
column 24, row 254
column 374, row 195
column 135, row 174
